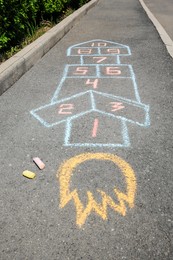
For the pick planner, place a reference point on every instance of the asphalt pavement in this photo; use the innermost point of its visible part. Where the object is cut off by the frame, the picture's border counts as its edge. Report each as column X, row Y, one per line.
column 163, row 12
column 97, row 110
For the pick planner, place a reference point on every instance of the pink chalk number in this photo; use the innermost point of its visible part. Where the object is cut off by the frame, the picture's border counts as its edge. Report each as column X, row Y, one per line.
column 99, row 59
column 102, row 44
column 81, row 71
column 84, row 51
column 64, row 109
column 93, row 83
column 116, row 106
column 95, row 127
column 99, row 44
column 113, row 71
column 114, row 51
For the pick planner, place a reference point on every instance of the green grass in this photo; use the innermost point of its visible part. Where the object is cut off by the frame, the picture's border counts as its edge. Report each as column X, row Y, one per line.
column 33, row 34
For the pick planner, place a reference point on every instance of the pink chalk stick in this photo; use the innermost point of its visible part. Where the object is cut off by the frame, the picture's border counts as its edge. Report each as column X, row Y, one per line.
column 39, row 163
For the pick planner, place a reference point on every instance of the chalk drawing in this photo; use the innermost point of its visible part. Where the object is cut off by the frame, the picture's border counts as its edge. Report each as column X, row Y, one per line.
column 94, row 83
column 95, row 127
column 116, row 106
column 125, row 199
column 96, row 86
column 64, row 109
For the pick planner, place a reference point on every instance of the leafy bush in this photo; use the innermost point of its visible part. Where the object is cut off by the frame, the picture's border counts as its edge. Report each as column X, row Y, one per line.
column 19, row 18
column 82, row 2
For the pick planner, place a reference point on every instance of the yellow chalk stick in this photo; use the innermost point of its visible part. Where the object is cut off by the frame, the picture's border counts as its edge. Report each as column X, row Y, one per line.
column 29, row 174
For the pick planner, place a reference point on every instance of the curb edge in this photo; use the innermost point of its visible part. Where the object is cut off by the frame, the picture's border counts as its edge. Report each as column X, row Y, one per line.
column 16, row 66
column 163, row 34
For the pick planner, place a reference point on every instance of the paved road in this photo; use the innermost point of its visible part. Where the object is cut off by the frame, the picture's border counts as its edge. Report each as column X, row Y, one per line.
column 163, row 12
column 98, row 112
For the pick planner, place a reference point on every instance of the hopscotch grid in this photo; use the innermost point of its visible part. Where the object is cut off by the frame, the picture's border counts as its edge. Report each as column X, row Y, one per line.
column 125, row 133
column 128, row 101
column 118, row 59
column 94, row 64
column 99, row 51
column 81, row 60
column 97, row 40
column 103, row 47
column 147, row 117
column 113, row 64
column 81, row 114
column 55, row 95
column 93, row 103
column 95, row 76
column 68, row 120
column 102, row 54
column 135, row 84
column 120, row 117
column 98, row 74
column 42, row 121
column 67, row 132
column 61, row 100
column 95, row 145
column 96, row 92
column 46, row 124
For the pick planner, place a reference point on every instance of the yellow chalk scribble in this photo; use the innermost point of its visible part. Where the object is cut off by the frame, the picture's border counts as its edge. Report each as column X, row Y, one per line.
column 65, row 173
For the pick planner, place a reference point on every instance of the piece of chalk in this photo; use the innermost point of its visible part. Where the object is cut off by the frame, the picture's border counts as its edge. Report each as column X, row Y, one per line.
column 29, row 174
column 39, row 163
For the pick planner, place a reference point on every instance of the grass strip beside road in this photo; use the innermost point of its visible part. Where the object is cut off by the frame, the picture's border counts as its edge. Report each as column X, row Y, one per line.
column 34, row 34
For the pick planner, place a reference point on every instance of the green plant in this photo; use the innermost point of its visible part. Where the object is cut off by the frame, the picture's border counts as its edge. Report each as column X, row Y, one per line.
column 16, row 21
column 82, row 2
column 3, row 41
column 20, row 19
